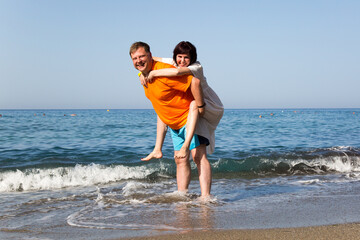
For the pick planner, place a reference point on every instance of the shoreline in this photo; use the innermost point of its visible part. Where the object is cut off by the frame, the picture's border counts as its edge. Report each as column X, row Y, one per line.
column 338, row 231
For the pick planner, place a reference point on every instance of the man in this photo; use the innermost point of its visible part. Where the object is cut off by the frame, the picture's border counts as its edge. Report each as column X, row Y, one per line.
column 171, row 98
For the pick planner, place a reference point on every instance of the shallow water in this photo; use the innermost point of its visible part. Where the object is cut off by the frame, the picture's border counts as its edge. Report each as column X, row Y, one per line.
column 75, row 177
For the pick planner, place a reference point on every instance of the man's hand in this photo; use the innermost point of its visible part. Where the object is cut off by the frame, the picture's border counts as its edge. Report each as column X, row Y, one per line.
column 150, row 77
column 143, row 80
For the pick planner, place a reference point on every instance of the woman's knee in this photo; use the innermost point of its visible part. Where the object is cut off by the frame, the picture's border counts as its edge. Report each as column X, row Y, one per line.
column 193, row 106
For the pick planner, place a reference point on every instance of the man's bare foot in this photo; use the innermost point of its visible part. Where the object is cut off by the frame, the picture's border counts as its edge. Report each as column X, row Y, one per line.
column 183, row 153
column 153, row 154
column 207, row 199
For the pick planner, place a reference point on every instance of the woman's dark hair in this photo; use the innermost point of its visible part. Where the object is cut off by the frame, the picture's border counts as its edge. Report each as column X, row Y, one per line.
column 185, row 47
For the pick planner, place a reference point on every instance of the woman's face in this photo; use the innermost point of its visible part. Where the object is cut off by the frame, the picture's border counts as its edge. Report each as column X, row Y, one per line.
column 183, row 60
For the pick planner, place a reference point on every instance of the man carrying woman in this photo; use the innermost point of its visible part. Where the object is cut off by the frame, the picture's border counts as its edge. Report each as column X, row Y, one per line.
column 171, row 98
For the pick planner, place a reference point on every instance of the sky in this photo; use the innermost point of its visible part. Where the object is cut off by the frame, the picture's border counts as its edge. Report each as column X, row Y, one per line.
column 74, row 54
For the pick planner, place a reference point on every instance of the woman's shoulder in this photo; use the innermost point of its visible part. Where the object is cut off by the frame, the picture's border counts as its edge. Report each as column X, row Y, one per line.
column 196, row 66
column 197, row 70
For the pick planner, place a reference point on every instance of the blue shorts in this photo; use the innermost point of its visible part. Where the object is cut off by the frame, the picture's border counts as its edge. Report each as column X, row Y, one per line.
column 178, row 137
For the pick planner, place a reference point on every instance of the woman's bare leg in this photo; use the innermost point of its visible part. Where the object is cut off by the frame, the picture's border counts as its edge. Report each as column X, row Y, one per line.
column 161, row 129
column 190, row 129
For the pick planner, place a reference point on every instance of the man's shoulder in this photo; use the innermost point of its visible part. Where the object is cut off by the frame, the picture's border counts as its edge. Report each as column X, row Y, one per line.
column 161, row 65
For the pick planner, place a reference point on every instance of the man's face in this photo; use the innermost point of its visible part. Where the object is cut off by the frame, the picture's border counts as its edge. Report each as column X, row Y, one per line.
column 142, row 60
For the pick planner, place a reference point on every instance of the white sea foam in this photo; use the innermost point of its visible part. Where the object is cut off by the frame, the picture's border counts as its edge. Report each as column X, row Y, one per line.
column 80, row 175
column 307, row 182
column 132, row 187
column 342, row 164
column 84, row 218
column 338, row 164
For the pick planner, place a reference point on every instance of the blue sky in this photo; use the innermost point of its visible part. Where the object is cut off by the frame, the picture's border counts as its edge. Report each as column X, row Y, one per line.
column 255, row 54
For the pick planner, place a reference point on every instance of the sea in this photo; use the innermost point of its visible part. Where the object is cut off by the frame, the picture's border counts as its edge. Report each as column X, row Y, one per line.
column 78, row 174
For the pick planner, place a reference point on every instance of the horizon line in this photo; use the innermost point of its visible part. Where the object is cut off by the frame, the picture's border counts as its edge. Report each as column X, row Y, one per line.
column 275, row 108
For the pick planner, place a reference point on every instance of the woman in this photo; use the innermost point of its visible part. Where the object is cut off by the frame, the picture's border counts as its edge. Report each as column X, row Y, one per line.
column 184, row 58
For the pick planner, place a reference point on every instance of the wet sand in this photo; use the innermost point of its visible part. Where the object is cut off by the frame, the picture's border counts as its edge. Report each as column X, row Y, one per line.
column 341, row 232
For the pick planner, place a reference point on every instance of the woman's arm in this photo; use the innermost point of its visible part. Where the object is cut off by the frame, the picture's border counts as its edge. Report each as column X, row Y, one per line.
column 158, row 59
column 165, row 72
column 194, row 69
column 169, row 72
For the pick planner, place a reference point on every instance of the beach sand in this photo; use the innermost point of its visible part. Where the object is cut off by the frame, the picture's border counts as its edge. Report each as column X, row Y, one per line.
column 341, row 231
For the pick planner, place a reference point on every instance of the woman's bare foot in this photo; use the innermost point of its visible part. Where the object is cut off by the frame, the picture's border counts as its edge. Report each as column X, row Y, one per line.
column 183, row 153
column 153, row 154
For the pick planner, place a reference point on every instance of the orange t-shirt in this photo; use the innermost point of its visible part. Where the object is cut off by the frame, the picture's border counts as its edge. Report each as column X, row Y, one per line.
column 170, row 97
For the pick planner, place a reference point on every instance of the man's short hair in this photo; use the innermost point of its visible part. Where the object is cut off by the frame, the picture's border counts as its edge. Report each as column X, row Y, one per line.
column 136, row 45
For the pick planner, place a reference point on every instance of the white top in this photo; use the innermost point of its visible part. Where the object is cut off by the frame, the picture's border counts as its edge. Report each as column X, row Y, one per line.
column 214, row 108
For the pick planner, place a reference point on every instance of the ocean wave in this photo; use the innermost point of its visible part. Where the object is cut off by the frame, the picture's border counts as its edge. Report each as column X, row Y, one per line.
column 317, row 161
column 62, row 177
column 310, row 162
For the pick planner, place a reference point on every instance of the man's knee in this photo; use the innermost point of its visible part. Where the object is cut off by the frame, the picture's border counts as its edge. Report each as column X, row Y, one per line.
column 199, row 153
column 181, row 161
column 198, row 156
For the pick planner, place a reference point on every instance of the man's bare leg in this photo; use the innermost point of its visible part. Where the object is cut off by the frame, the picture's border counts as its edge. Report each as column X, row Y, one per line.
column 183, row 173
column 204, row 169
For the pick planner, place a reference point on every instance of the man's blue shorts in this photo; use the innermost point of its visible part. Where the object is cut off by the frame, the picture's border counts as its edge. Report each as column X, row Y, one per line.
column 178, row 137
